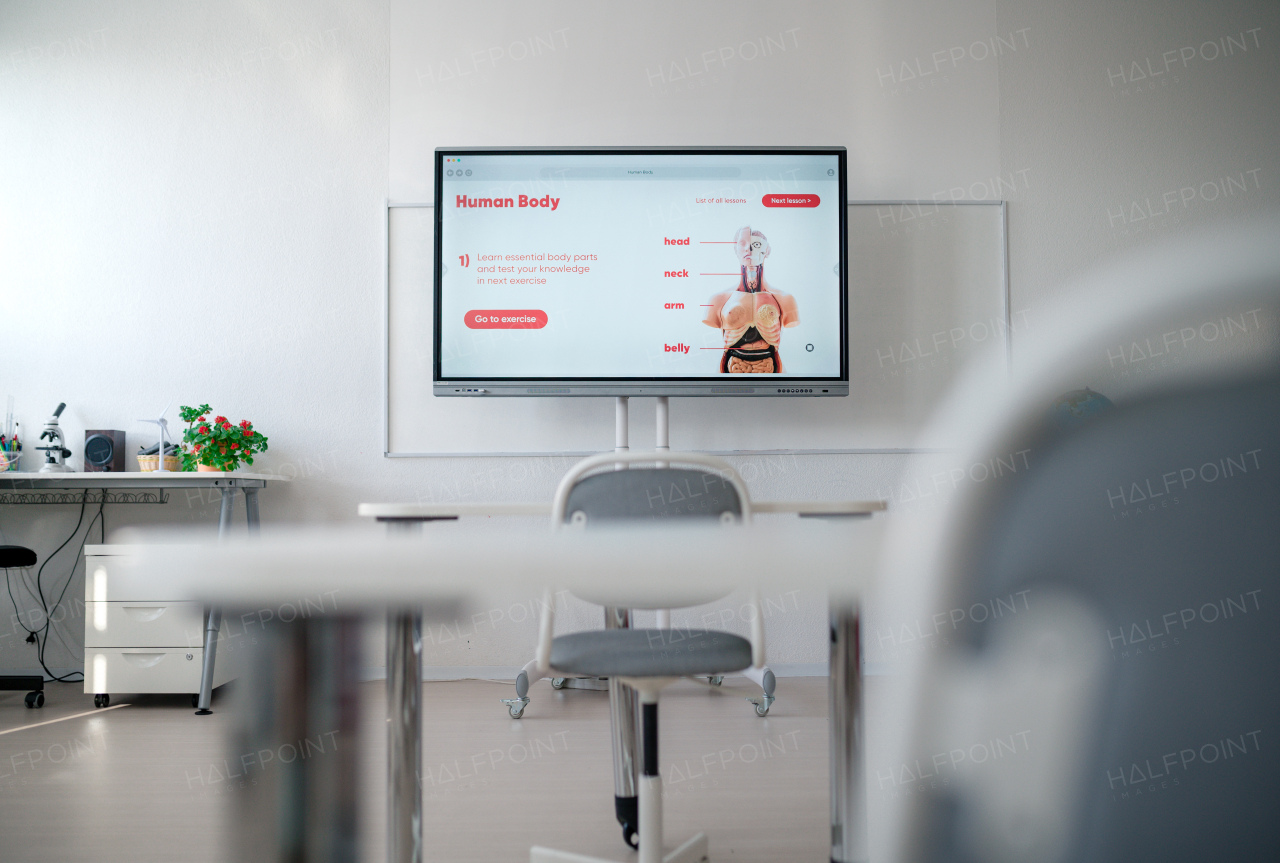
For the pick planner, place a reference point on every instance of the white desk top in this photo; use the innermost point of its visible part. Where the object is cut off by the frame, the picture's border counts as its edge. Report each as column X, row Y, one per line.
column 142, row 479
column 425, row 511
column 633, row 566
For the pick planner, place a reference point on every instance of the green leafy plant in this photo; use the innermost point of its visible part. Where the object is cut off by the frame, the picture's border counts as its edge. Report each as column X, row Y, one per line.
column 217, row 443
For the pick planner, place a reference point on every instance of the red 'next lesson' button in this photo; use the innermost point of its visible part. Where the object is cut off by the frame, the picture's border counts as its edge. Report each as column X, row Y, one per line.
column 791, row 200
column 506, row 319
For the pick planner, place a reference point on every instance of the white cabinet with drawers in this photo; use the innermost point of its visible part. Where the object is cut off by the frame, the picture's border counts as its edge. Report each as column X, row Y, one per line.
column 137, row 642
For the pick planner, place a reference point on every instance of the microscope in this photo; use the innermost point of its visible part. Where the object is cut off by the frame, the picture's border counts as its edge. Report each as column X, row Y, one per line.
column 56, row 453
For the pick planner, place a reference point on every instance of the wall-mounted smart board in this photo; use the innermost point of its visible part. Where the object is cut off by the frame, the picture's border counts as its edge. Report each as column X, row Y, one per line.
column 928, row 289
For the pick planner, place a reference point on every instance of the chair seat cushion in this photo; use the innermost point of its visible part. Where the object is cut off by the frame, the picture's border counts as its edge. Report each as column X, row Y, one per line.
column 16, row 556
column 650, row 652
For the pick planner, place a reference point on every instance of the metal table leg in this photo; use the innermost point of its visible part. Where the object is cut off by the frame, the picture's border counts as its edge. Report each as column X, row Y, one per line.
column 624, row 711
column 251, row 508
column 848, row 764
column 293, row 761
column 212, row 615
column 404, row 736
column 404, row 731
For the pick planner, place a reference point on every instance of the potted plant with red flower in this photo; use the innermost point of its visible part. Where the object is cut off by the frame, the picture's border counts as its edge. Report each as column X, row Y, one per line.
column 217, row 444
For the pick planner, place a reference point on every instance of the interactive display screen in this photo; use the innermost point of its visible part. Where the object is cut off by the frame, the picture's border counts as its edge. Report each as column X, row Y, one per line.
column 616, row 266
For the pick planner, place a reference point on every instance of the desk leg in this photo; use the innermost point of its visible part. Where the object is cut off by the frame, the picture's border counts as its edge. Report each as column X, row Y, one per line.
column 404, row 731
column 848, row 761
column 294, row 745
column 251, row 508
column 213, row 616
column 404, row 736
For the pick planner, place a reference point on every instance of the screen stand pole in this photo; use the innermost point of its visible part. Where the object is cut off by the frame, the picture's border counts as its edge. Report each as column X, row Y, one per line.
column 663, row 444
column 663, row 430
column 622, row 427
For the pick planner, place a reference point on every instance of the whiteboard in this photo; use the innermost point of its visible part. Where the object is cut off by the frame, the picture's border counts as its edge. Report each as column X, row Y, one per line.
column 928, row 290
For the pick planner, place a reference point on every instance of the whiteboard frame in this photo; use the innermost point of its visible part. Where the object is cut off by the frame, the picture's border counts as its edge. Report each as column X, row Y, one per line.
column 386, row 345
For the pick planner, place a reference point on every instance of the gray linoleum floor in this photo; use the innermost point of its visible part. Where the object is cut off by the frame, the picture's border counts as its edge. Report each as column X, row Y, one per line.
column 140, row 782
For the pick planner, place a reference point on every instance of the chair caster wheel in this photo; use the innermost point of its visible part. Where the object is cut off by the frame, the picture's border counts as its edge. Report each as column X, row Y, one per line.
column 762, row 704
column 627, row 809
column 101, row 700
column 558, row 682
column 35, row 699
column 716, row 680
column 516, row 706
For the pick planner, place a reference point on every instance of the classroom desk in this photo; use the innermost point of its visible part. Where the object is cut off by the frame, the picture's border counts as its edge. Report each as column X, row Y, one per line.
column 404, row 628
column 22, row 487
column 642, row 564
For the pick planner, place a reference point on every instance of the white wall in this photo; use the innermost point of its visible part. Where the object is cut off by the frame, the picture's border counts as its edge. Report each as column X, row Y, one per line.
column 191, row 205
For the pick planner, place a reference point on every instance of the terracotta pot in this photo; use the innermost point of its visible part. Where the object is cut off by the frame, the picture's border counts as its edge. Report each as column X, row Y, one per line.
column 208, row 468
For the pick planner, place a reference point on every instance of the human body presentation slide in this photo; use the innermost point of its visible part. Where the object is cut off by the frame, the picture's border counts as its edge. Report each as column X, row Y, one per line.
column 639, row 266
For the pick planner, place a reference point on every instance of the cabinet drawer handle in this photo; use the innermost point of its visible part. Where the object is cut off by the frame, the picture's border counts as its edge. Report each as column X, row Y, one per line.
column 144, row 660
column 144, row 613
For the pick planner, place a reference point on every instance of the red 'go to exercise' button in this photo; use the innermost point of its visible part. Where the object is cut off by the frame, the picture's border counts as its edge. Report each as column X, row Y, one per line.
column 506, row 319
column 791, row 200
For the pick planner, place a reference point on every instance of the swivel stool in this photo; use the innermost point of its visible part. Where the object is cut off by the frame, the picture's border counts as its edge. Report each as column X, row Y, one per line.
column 20, row 558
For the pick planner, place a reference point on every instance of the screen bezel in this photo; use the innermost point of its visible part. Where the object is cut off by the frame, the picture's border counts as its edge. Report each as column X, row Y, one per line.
column 722, row 385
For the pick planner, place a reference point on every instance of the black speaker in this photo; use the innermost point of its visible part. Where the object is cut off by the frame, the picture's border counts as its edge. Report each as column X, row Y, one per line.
column 103, row 450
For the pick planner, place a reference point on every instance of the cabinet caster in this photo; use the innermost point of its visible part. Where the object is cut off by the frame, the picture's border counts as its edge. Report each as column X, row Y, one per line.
column 558, row 682
column 716, row 680
column 35, row 699
column 101, row 700
column 195, row 701
column 516, row 706
column 762, row 704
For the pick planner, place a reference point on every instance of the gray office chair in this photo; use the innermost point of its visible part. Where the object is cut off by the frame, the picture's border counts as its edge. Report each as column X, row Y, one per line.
column 1119, row 698
column 652, row 486
column 647, row 660
column 20, row 558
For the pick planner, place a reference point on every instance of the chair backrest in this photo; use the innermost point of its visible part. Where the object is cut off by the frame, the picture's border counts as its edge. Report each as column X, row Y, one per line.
column 650, row 486
column 633, row 486
column 1161, row 518
column 1116, row 651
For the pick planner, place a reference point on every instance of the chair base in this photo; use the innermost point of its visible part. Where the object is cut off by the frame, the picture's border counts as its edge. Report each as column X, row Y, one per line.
column 595, row 684
column 692, row 851
column 762, row 677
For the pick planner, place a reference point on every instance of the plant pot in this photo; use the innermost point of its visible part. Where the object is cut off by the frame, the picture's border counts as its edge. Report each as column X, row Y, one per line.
column 207, row 468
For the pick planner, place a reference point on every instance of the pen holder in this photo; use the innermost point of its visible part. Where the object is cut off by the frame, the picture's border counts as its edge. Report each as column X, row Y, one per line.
column 9, row 460
column 151, row 462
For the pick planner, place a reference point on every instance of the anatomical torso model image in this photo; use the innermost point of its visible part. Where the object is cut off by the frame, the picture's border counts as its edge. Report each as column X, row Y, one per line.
column 752, row 315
